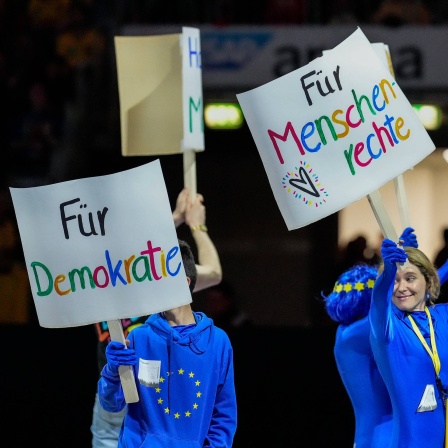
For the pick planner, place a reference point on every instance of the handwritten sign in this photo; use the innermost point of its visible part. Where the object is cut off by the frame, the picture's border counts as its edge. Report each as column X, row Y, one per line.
column 160, row 90
column 101, row 248
column 193, row 103
column 333, row 131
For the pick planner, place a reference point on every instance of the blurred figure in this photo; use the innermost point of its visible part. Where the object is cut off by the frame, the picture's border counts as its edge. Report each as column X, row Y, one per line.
column 48, row 13
column 401, row 12
column 442, row 255
column 342, row 12
column 34, row 139
column 285, row 11
column 80, row 43
column 355, row 252
column 349, row 305
column 221, row 305
column 82, row 46
column 15, row 292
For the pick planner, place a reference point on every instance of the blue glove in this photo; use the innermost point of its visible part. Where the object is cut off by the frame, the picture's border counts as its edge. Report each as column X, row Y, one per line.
column 118, row 355
column 392, row 253
column 409, row 238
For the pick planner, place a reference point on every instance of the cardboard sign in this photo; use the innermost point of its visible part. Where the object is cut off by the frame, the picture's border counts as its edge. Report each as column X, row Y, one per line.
column 333, row 131
column 101, row 248
column 160, row 90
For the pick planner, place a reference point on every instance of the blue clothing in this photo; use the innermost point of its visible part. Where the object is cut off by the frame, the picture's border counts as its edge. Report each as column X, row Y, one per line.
column 105, row 427
column 102, row 332
column 407, row 368
column 443, row 273
column 194, row 404
column 364, row 385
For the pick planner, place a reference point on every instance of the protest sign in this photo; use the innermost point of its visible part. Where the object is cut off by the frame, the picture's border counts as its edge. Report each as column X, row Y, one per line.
column 333, row 131
column 160, row 90
column 101, row 248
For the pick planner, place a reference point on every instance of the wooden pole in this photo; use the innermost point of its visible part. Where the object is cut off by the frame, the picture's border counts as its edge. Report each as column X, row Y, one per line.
column 383, row 219
column 402, row 201
column 381, row 216
column 190, row 171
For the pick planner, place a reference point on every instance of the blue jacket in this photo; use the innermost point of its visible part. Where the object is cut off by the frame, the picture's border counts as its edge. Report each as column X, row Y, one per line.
column 364, row 384
column 407, row 368
column 194, row 404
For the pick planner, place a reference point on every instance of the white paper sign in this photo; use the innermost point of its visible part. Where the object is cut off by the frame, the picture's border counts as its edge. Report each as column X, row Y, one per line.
column 333, row 131
column 101, row 248
column 193, row 103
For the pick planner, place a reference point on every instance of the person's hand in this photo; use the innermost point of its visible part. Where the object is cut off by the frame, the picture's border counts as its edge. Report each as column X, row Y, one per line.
column 392, row 253
column 195, row 213
column 409, row 238
column 118, row 354
column 181, row 207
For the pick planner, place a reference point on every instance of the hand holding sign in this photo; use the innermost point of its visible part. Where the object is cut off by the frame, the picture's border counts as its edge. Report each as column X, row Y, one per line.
column 93, row 255
column 121, row 360
column 118, row 354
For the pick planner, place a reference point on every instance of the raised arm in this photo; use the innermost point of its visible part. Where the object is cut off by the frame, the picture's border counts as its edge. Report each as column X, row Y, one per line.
column 192, row 213
column 181, row 207
column 110, row 390
column 209, row 267
column 379, row 315
column 443, row 272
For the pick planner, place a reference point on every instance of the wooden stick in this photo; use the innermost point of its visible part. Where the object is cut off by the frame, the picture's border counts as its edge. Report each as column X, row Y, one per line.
column 398, row 181
column 402, row 201
column 190, row 171
column 381, row 216
column 384, row 221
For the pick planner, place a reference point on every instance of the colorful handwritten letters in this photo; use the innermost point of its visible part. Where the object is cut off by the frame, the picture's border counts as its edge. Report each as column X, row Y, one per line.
column 153, row 264
column 333, row 131
column 313, row 134
column 101, row 248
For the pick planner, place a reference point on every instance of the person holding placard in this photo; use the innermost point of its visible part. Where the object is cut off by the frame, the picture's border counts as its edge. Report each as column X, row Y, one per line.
column 105, row 426
column 348, row 305
column 183, row 367
column 409, row 340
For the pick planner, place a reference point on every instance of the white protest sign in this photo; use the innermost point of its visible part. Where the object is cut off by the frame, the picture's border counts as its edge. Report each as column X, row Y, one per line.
column 160, row 91
column 193, row 103
column 101, row 248
column 333, row 131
